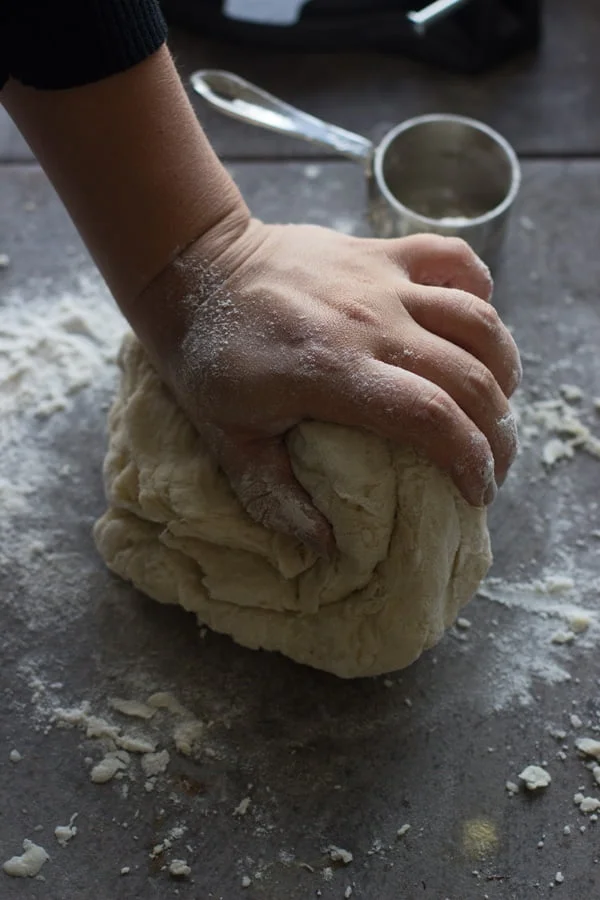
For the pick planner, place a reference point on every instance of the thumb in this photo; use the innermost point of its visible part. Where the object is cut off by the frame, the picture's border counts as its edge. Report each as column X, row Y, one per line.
column 261, row 476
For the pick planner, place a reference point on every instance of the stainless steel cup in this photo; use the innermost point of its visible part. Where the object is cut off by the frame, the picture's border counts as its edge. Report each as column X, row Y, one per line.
column 438, row 173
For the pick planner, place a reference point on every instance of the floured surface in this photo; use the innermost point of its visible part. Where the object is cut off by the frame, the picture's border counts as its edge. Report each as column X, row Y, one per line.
column 411, row 551
column 324, row 762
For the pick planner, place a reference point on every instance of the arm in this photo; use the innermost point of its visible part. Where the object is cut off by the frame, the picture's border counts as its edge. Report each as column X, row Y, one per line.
column 133, row 167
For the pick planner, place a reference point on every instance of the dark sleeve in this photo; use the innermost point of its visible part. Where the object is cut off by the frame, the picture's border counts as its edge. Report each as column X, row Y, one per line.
column 69, row 43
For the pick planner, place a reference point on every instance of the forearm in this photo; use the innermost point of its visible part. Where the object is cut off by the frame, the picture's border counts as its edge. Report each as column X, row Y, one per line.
column 132, row 165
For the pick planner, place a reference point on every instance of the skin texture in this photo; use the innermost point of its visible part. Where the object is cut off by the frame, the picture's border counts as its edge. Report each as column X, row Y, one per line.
column 256, row 327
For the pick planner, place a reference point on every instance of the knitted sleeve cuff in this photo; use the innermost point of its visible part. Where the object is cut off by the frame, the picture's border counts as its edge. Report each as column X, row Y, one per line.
column 69, row 43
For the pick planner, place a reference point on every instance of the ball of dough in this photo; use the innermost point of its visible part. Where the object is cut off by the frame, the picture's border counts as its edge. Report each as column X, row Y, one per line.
column 411, row 551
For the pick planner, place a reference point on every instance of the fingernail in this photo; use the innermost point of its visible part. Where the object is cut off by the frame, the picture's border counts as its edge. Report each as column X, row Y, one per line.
column 490, row 493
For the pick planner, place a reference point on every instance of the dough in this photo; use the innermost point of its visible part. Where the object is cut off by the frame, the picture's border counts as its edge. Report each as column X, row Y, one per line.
column 411, row 550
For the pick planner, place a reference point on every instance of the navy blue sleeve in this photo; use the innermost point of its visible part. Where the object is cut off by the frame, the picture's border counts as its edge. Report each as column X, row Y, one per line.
column 55, row 44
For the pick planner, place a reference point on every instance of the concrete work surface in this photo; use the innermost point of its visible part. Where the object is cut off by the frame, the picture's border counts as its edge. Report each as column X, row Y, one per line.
column 279, row 782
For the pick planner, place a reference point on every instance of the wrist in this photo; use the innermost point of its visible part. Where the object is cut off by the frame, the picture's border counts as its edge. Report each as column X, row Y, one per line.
column 163, row 312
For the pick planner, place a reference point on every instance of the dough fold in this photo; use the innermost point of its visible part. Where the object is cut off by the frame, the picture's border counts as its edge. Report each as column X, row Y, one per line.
column 412, row 552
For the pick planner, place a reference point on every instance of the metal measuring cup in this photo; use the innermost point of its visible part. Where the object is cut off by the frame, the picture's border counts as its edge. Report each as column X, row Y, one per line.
column 438, row 173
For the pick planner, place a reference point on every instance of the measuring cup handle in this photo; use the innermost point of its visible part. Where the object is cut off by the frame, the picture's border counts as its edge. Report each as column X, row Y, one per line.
column 241, row 100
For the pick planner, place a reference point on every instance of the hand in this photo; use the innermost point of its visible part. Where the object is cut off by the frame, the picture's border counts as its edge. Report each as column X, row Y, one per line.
column 281, row 323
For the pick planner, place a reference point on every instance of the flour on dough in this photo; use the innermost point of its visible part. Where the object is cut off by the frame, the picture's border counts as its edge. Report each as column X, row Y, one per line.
column 411, row 551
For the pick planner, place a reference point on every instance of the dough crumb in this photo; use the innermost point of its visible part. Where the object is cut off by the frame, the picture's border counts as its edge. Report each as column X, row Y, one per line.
column 575, row 721
column 535, row 778
column 579, row 623
column 4, row 260
column 97, row 727
column 125, row 870
column 186, row 735
column 338, row 854
column 64, row 833
column 563, row 637
column 404, row 829
column 108, row 767
column 132, row 708
column 246, row 882
column 134, row 744
column 348, row 892
column 166, row 700
column 179, row 869
column 242, row 807
column 567, row 830
column 587, row 804
column 15, row 756
column 559, row 878
column 511, row 787
column 463, row 623
column 588, row 747
column 155, row 763
column 29, row 864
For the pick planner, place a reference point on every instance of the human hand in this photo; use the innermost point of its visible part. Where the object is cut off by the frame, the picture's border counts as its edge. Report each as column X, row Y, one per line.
column 281, row 323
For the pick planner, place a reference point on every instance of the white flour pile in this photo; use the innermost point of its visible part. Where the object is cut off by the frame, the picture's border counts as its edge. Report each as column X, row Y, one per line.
column 53, row 346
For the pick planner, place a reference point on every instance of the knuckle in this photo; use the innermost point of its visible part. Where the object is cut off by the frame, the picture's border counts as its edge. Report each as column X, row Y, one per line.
column 488, row 318
column 480, row 382
column 460, row 249
column 433, row 409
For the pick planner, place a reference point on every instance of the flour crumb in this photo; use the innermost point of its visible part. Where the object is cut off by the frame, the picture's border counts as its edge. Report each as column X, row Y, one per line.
column 567, row 830
column 186, row 736
column 535, row 778
column 179, row 869
column 588, row 804
column 15, row 756
column 348, row 892
column 29, row 864
column 559, row 878
column 166, row 700
column 404, row 829
column 134, row 744
column 338, row 854
column 97, row 727
column 463, row 623
column 579, row 623
column 132, row 708
column 588, row 747
column 246, row 881
column 242, row 807
column 511, row 787
column 64, row 833
column 4, row 260
column 575, row 721
column 563, row 637
column 125, row 870
column 155, row 763
column 571, row 393
column 108, row 767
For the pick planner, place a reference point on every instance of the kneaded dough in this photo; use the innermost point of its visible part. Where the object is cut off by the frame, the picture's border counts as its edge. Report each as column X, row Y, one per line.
column 411, row 551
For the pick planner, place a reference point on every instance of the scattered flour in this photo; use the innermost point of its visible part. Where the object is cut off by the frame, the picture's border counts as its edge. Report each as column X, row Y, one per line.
column 53, row 347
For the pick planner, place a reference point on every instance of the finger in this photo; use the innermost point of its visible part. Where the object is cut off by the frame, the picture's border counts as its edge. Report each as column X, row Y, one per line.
column 470, row 384
column 442, row 261
column 407, row 409
column 261, row 475
column 470, row 323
